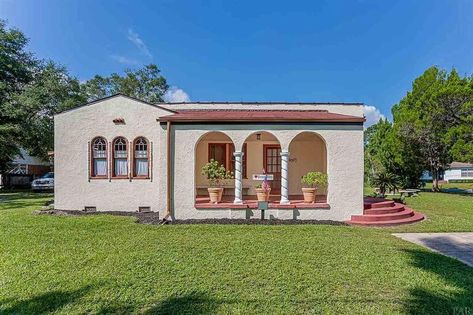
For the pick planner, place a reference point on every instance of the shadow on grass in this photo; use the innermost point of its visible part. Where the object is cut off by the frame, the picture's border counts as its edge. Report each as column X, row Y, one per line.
column 19, row 200
column 450, row 191
column 191, row 303
column 456, row 298
column 45, row 303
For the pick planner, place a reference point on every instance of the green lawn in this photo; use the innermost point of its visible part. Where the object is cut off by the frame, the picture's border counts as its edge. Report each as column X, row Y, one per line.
column 452, row 185
column 105, row 264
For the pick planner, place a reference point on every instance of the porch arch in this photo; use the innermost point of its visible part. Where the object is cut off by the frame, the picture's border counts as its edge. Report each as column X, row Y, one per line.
column 215, row 145
column 307, row 152
column 262, row 150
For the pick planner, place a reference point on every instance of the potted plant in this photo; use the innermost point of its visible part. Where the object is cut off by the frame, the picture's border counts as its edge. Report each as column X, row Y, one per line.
column 263, row 190
column 312, row 181
column 215, row 173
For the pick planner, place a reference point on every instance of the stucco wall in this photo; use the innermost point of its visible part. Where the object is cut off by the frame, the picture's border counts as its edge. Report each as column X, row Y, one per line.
column 75, row 129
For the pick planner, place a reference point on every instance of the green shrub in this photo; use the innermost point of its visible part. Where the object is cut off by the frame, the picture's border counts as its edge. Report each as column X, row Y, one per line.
column 215, row 173
column 460, row 181
column 315, row 180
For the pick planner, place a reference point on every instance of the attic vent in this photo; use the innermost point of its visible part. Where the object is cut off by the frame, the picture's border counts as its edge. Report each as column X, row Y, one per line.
column 90, row 209
column 144, row 209
column 119, row 121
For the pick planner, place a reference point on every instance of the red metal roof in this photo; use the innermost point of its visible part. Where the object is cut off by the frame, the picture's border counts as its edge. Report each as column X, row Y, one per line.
column 232, row 115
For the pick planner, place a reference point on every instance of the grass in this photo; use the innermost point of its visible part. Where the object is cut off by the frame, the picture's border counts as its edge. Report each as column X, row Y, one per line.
column 451, row 185
column 444, row 212
column 105, row 264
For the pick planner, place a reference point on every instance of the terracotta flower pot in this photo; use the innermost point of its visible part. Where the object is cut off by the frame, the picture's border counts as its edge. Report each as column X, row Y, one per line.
column 262, row 195
column 309, row 195
column 215, row 194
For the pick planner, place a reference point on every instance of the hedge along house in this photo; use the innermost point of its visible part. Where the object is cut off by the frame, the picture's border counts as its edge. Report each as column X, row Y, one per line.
column 123, row 154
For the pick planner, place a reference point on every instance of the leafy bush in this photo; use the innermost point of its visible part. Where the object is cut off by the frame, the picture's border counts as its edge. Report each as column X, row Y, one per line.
column 460, row 181
column 215, row 173
column 315, row 180
column 385, row 180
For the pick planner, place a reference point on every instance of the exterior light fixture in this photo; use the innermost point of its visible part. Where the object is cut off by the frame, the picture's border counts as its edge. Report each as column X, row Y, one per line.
column 258, row 136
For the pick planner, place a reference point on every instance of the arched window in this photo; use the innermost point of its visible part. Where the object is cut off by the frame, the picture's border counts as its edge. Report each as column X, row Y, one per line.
column 120, row 158
column 99, row 157
column 141, row 158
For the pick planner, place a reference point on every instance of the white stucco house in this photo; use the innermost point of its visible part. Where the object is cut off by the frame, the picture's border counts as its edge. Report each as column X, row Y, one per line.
column 123, row 154
column 459, row 171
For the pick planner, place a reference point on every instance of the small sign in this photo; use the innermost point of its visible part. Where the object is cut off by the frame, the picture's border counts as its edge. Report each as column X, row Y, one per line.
column 263, row 176
column 262, row 205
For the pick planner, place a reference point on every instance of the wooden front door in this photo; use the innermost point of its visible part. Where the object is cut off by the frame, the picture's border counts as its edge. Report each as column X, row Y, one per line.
column 272, row 165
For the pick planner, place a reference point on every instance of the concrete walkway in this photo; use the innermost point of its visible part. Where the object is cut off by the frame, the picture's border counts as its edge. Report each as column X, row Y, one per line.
column 456, row 245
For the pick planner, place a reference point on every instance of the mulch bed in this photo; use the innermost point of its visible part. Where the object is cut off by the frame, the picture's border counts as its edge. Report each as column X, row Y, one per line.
column 153, row 218
column 257, row 222
column 142, row 217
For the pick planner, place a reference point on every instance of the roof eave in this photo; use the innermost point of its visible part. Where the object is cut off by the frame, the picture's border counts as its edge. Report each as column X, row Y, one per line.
column 177, row 120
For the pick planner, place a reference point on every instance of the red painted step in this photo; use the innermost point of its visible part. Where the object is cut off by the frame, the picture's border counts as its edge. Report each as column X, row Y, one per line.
column 415, row 218
column 378, row 212
column 406, row 213
column 382, row 204
column 394, row 209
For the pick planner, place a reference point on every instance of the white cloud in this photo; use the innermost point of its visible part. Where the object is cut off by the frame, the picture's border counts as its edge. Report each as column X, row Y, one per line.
column 372, row 114
column 124, row 60
column 138, row 42
column 174, row 94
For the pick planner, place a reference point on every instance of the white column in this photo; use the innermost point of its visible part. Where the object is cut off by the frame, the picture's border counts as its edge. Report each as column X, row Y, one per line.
column 238, row 160
column 284, row 177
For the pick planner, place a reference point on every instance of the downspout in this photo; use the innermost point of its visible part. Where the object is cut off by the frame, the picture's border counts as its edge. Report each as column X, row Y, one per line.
column 168, row 171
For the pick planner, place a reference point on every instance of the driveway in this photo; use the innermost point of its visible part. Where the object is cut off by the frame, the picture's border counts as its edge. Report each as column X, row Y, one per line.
column 456, row 245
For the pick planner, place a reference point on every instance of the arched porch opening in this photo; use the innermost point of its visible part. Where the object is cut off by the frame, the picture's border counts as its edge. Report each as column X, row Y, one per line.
column 218, row 146
column 261, row 152
column 307, row 153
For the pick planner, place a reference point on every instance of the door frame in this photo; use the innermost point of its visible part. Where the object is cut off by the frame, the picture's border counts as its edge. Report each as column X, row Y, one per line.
column 265, row 166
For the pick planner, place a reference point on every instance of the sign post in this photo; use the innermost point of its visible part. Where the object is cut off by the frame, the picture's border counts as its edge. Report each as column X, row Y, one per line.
column 262, row 205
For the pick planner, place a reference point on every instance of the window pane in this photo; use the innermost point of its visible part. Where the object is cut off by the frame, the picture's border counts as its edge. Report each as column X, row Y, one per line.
column 217, row 152
column 100, row 167
column 141, row 167
column 100, row 153
column 120, row 154
column 141, row 154
column 121, row 167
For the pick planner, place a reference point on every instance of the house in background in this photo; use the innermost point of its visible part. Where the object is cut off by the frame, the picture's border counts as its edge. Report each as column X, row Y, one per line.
column 24, row 169
column 459, row 171
column 123, row 154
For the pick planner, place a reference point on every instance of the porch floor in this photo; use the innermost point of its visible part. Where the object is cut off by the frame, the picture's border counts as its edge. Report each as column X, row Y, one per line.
column 251, row 202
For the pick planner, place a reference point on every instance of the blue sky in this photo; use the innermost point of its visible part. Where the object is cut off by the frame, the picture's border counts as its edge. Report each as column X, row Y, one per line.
column 339, row 51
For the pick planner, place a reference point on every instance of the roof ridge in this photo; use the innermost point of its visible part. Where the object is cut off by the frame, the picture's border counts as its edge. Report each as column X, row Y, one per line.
column 263, row 103
column 251, row 110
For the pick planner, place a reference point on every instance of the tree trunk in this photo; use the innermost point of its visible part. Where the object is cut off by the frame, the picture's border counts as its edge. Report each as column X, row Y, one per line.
column 435, row 179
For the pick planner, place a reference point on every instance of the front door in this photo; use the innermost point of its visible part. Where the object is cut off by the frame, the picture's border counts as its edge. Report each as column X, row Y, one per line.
column 272, row 165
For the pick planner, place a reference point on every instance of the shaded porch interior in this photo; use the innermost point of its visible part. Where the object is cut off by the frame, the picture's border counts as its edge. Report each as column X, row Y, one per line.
column 262, row 150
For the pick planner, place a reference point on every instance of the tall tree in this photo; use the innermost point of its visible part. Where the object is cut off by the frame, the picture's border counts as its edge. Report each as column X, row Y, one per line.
column 50, row 92
column 16, row 66
column 435, row 119
column 455, row 103
column 385, row 153
column 146, row 84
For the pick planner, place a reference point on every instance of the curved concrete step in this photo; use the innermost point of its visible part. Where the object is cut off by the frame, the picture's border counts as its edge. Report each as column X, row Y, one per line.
column 406, row 213
column 415, row 218
column 382, row 204
column 396, row 208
